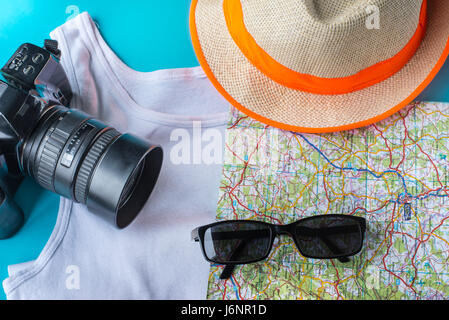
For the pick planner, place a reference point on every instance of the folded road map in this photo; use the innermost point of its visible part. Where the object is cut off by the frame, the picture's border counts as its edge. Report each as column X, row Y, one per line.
column 394, row 173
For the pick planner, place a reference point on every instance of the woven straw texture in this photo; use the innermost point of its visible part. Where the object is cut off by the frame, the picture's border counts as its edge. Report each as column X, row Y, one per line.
column 259, row 94
column 321, row 37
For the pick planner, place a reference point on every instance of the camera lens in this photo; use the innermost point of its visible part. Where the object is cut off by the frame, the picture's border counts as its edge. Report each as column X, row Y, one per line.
column 131, row 184
column 83, row 159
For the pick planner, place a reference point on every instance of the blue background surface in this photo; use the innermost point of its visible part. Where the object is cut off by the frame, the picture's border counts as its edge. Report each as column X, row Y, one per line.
column 147, row 35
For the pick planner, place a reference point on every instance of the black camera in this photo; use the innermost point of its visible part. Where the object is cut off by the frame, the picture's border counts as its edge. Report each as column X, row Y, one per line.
column 63, row 149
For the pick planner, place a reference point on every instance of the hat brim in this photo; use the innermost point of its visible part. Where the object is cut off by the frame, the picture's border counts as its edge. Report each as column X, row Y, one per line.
column 267, row 101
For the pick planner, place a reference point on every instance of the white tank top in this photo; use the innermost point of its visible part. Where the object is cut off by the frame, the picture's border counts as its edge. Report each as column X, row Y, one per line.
column 153, row 258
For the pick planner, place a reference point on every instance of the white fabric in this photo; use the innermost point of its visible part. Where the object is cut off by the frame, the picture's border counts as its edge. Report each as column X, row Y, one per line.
column 153, row 258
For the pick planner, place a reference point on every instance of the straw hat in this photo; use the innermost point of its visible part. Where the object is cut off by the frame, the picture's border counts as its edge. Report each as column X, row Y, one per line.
column 320, row 65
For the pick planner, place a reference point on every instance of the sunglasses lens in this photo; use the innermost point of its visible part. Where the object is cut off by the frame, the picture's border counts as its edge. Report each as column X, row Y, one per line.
column 325, row 237
column 237, row 242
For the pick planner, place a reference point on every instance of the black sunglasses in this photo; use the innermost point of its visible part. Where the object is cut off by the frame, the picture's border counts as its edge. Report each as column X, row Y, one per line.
column 233, row 242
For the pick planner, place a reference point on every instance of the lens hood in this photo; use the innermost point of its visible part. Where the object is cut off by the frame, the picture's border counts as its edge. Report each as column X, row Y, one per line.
column 124, row 179
column 85, row 160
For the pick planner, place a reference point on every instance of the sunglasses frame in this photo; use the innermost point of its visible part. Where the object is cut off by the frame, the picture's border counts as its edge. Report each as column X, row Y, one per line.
column 275, row 230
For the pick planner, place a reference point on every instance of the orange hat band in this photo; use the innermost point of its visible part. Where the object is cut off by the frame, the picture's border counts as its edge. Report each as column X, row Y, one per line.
column 308, row 83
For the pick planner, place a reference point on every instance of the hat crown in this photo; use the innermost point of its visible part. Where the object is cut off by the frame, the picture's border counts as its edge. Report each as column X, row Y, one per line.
column 331, row 38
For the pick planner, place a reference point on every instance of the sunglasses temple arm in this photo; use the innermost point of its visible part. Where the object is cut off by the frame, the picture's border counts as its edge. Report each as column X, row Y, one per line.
column 229, row 269
column 227, row 272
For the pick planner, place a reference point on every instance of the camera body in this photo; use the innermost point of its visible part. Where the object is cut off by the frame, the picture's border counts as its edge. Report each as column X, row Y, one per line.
column 35, row 80
column 65, row 150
